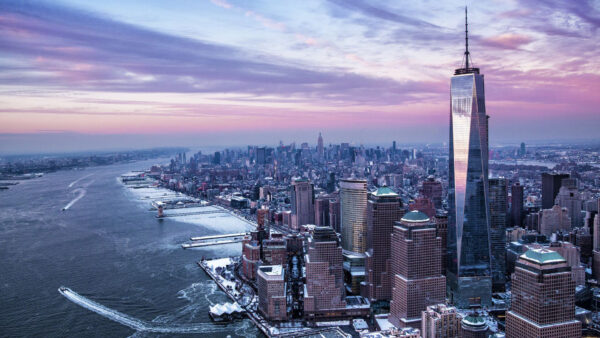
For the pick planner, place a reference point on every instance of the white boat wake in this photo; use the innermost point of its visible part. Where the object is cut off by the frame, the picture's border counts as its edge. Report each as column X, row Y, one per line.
column 134, row 323
column 79, row 179
column 80, row 196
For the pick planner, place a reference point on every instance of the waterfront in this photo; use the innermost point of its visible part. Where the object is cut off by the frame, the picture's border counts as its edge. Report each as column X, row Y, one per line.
column 109, row 248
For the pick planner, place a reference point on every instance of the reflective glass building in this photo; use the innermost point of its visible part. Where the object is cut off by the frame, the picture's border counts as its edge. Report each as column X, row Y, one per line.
column 469, row 263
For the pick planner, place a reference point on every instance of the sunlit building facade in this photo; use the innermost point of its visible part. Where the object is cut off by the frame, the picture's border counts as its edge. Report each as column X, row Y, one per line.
column 353, row 207
column 469, row 257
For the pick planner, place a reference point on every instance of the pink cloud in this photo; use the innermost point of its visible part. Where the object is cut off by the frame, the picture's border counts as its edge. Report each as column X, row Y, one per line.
column 507, row 41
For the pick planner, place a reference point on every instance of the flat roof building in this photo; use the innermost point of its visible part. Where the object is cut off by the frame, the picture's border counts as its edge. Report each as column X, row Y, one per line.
column 272, row 292
column 543, row 297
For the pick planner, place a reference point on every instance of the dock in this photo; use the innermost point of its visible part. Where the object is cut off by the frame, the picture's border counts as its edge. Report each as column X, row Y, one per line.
column 202, row 238
column 214, row 240
column 191, row 213
column 203, row 244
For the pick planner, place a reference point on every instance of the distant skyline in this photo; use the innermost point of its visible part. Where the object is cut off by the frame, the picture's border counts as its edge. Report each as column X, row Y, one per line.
column 75, row 75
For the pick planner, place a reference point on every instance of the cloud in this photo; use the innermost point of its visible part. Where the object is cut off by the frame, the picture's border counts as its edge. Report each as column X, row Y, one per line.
column 506, row 41
column 381, row 13
column 68, row 48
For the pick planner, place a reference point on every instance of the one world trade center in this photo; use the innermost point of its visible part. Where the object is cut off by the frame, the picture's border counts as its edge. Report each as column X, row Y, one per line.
column 469, row 259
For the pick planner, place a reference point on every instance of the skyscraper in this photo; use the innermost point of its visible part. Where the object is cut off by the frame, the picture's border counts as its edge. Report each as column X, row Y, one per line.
column 469, row 263
column 303, row 203
column 324, row 289
column 271, row 292
column 596, row 245
column 416, row 267
column 551, row 183
column 383, row 209
column 320, row 150
column 334, row 214
column 424, row 205
column 353, row 209
column 498, row 197
column 554, row 219
column 543, row 297
column 568, row 197
column 432, row 189
column 322, row 210
column 516, row 204
column 261, row 155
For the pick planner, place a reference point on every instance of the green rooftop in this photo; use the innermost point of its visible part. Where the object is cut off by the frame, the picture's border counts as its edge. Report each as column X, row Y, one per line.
column 385, row 192
column 543, row 256
column 415, row 216
column 472, row 320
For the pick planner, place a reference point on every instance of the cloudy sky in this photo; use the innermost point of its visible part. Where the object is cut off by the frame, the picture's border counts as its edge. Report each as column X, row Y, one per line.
column 114, row 73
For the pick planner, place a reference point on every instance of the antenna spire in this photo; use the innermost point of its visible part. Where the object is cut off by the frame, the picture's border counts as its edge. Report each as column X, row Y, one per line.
column 467, row 66
column 466, row 41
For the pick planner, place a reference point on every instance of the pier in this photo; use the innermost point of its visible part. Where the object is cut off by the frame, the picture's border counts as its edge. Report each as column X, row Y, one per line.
column 199, row 245
column 191, row 213
column 214, row 240
column 203, row 238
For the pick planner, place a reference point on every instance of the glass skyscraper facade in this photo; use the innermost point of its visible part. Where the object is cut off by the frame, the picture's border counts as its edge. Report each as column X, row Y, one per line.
column 469, row 263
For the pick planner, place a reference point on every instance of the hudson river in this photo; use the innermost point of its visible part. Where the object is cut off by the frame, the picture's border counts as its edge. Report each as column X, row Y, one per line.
column 110, row 249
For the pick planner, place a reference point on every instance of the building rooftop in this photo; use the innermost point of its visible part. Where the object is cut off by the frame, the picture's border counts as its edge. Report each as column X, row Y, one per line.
column 385, row 192
column 272, row 270
column 415, row 216
column 543, row 256
column 475, row 321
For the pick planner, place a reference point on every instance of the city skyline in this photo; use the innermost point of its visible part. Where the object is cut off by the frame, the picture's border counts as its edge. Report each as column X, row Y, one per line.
column 81, row 76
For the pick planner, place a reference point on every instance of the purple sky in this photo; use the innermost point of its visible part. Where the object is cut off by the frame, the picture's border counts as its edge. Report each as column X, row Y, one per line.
column 79, row 75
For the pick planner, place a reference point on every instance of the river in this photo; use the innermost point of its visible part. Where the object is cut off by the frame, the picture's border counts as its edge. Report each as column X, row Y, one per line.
column 113, row 253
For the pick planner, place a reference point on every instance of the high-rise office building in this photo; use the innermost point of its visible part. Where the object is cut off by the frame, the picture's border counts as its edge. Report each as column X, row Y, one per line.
column 262, row 217
column 416, row 265
column 274, row 250
column 324, row 289
column 498, row 197
column 424, row 205
column 250, row 257
column 569, row 197
column 516, row 205
column 322, row 210
column 469, row 258
column 303, row 203
column 596, row 245
column 543, row 297
column 261, row 155
column 353, row 210
column 522, row 150
column 271, row 292
column 572, row 254
column 440, row 321
column 335, row 219
column 551, row 183
column 554, row 219
column 441, row 226
column 320, row 149
column 432, row 189
column 383, row 209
